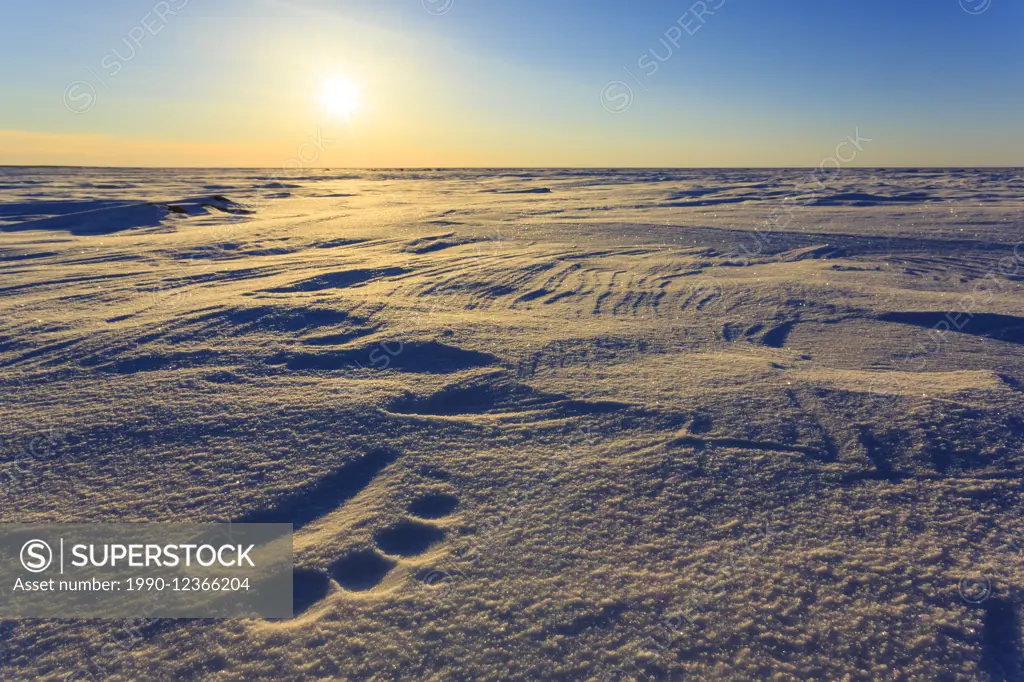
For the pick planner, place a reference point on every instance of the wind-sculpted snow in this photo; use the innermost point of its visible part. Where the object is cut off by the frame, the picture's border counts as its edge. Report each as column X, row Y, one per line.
column 534, row 424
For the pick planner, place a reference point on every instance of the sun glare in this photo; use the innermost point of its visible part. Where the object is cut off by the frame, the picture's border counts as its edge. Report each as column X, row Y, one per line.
column 341, row 96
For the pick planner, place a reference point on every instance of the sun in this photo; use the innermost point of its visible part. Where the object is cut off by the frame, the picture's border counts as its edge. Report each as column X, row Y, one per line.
column 341, row 96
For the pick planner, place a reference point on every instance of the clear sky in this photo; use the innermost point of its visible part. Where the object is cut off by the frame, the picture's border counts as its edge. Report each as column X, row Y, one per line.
column 511, row 83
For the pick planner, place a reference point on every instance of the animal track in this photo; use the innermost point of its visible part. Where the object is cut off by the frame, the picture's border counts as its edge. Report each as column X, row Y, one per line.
column 357, row 572
column 364, row 569
column 361, row 570
column 308, row 587
column 327, row 494
column 311, row 585
column 408, row 538
column 433, row 506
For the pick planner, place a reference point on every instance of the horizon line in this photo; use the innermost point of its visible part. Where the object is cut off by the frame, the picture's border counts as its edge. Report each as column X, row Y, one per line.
column 507, row 168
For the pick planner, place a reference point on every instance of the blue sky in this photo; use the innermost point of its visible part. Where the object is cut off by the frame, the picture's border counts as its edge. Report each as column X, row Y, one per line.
column 524, row 83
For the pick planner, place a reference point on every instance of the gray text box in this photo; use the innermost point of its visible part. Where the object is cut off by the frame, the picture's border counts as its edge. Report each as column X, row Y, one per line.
column 156, row 570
